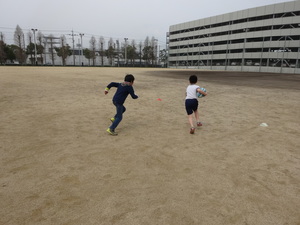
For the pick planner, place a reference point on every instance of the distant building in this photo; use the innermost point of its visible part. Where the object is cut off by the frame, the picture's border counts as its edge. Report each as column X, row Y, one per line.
column 262, row 39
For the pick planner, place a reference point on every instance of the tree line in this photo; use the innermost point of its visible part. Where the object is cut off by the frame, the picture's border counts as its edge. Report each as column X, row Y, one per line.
column 118, row 53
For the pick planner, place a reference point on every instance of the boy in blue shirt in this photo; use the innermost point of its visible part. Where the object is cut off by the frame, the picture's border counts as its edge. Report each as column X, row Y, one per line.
column 123, row 90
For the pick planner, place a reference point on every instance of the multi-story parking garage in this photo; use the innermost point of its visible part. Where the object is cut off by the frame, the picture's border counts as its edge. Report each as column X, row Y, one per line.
column 262, row 39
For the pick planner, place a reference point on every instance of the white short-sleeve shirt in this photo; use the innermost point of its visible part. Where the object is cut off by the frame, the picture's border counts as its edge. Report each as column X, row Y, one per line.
column 191, row 91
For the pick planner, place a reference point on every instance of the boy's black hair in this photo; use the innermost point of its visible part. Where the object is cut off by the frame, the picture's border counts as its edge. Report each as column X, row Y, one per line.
column 129, row 78
column 193, row 79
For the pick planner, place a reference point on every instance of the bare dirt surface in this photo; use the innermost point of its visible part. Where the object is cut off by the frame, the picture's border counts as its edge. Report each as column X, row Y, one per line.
column 59, row 166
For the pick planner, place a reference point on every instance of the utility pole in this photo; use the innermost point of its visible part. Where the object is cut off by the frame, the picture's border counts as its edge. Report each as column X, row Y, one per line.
column 81, row 34
column 126, row 50
column 73, row 46
column 35, row 59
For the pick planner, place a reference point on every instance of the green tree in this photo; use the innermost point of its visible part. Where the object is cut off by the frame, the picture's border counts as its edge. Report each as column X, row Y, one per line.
column 10, row 52
column 2, row 52
column 64, row 51
column 87, row 54
column 147, row 51
column 147, row 54
column 30, row 51
column 110, row 53
column 40, row 50
column 131, row 54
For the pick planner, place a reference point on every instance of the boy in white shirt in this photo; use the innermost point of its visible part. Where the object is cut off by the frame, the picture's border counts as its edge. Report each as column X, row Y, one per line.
column 191, row 102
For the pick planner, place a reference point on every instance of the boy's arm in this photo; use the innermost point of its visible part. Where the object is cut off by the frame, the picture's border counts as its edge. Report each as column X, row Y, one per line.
column 131, row 92
column 106, row 91
column 112, row 84
column 202, row 92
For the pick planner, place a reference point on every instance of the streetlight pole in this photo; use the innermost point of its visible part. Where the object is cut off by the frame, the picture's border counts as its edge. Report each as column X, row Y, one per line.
column 126, row 50
column 35, row 60
column 81, row 34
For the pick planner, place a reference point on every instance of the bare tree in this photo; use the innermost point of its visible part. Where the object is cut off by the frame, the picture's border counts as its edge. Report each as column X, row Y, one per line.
column 51, row 40
column 40, row 48
column 118, row 51
column 93, row 49
column 140, row 52
column 30, row 47
column 110, row 52
column 147, row 51
column 101, row 43
column 52, row 48
column 20, row 43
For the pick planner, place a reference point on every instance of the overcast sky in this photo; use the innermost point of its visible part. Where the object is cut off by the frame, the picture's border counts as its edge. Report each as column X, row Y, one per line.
column 133, row 19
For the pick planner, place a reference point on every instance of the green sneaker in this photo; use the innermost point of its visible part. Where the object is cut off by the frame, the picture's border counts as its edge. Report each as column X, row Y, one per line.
column 111, row 132
column 112, row 119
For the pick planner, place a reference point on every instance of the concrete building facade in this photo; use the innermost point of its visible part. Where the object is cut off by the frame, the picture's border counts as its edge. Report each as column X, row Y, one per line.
column 262, row 39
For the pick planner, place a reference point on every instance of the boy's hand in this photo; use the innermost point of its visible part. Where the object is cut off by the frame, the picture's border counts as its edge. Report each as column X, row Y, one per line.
column 106, row 91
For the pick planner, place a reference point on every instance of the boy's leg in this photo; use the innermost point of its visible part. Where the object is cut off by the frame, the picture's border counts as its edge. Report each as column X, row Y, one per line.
column 197, row 118
column 117, row 112
column 190, row 117
column 196, row 115
column 191, row 121
column 192, row 130
column 118, row 117
column 190, row 106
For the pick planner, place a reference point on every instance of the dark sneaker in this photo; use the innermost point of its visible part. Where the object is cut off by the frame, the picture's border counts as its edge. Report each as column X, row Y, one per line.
column 111, row 132
column 199, row 124
column 192, row 131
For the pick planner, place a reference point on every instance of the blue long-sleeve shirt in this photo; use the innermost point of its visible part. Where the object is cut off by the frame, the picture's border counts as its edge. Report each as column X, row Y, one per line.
column 123, row 90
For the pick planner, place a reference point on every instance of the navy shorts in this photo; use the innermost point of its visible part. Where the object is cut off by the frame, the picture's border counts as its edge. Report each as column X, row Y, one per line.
column 191, row 105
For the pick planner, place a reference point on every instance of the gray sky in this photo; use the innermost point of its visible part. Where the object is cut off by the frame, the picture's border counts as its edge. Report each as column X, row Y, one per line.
column 133, row 19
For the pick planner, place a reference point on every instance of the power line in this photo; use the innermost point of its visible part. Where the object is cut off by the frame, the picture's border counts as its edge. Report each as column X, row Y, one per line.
column 67, row 32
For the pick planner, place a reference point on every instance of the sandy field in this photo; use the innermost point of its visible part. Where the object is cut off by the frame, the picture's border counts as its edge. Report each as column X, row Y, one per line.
column 60, row 167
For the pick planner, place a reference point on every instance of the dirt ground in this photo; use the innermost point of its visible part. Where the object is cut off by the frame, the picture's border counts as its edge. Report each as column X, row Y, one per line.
column 59, row 166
